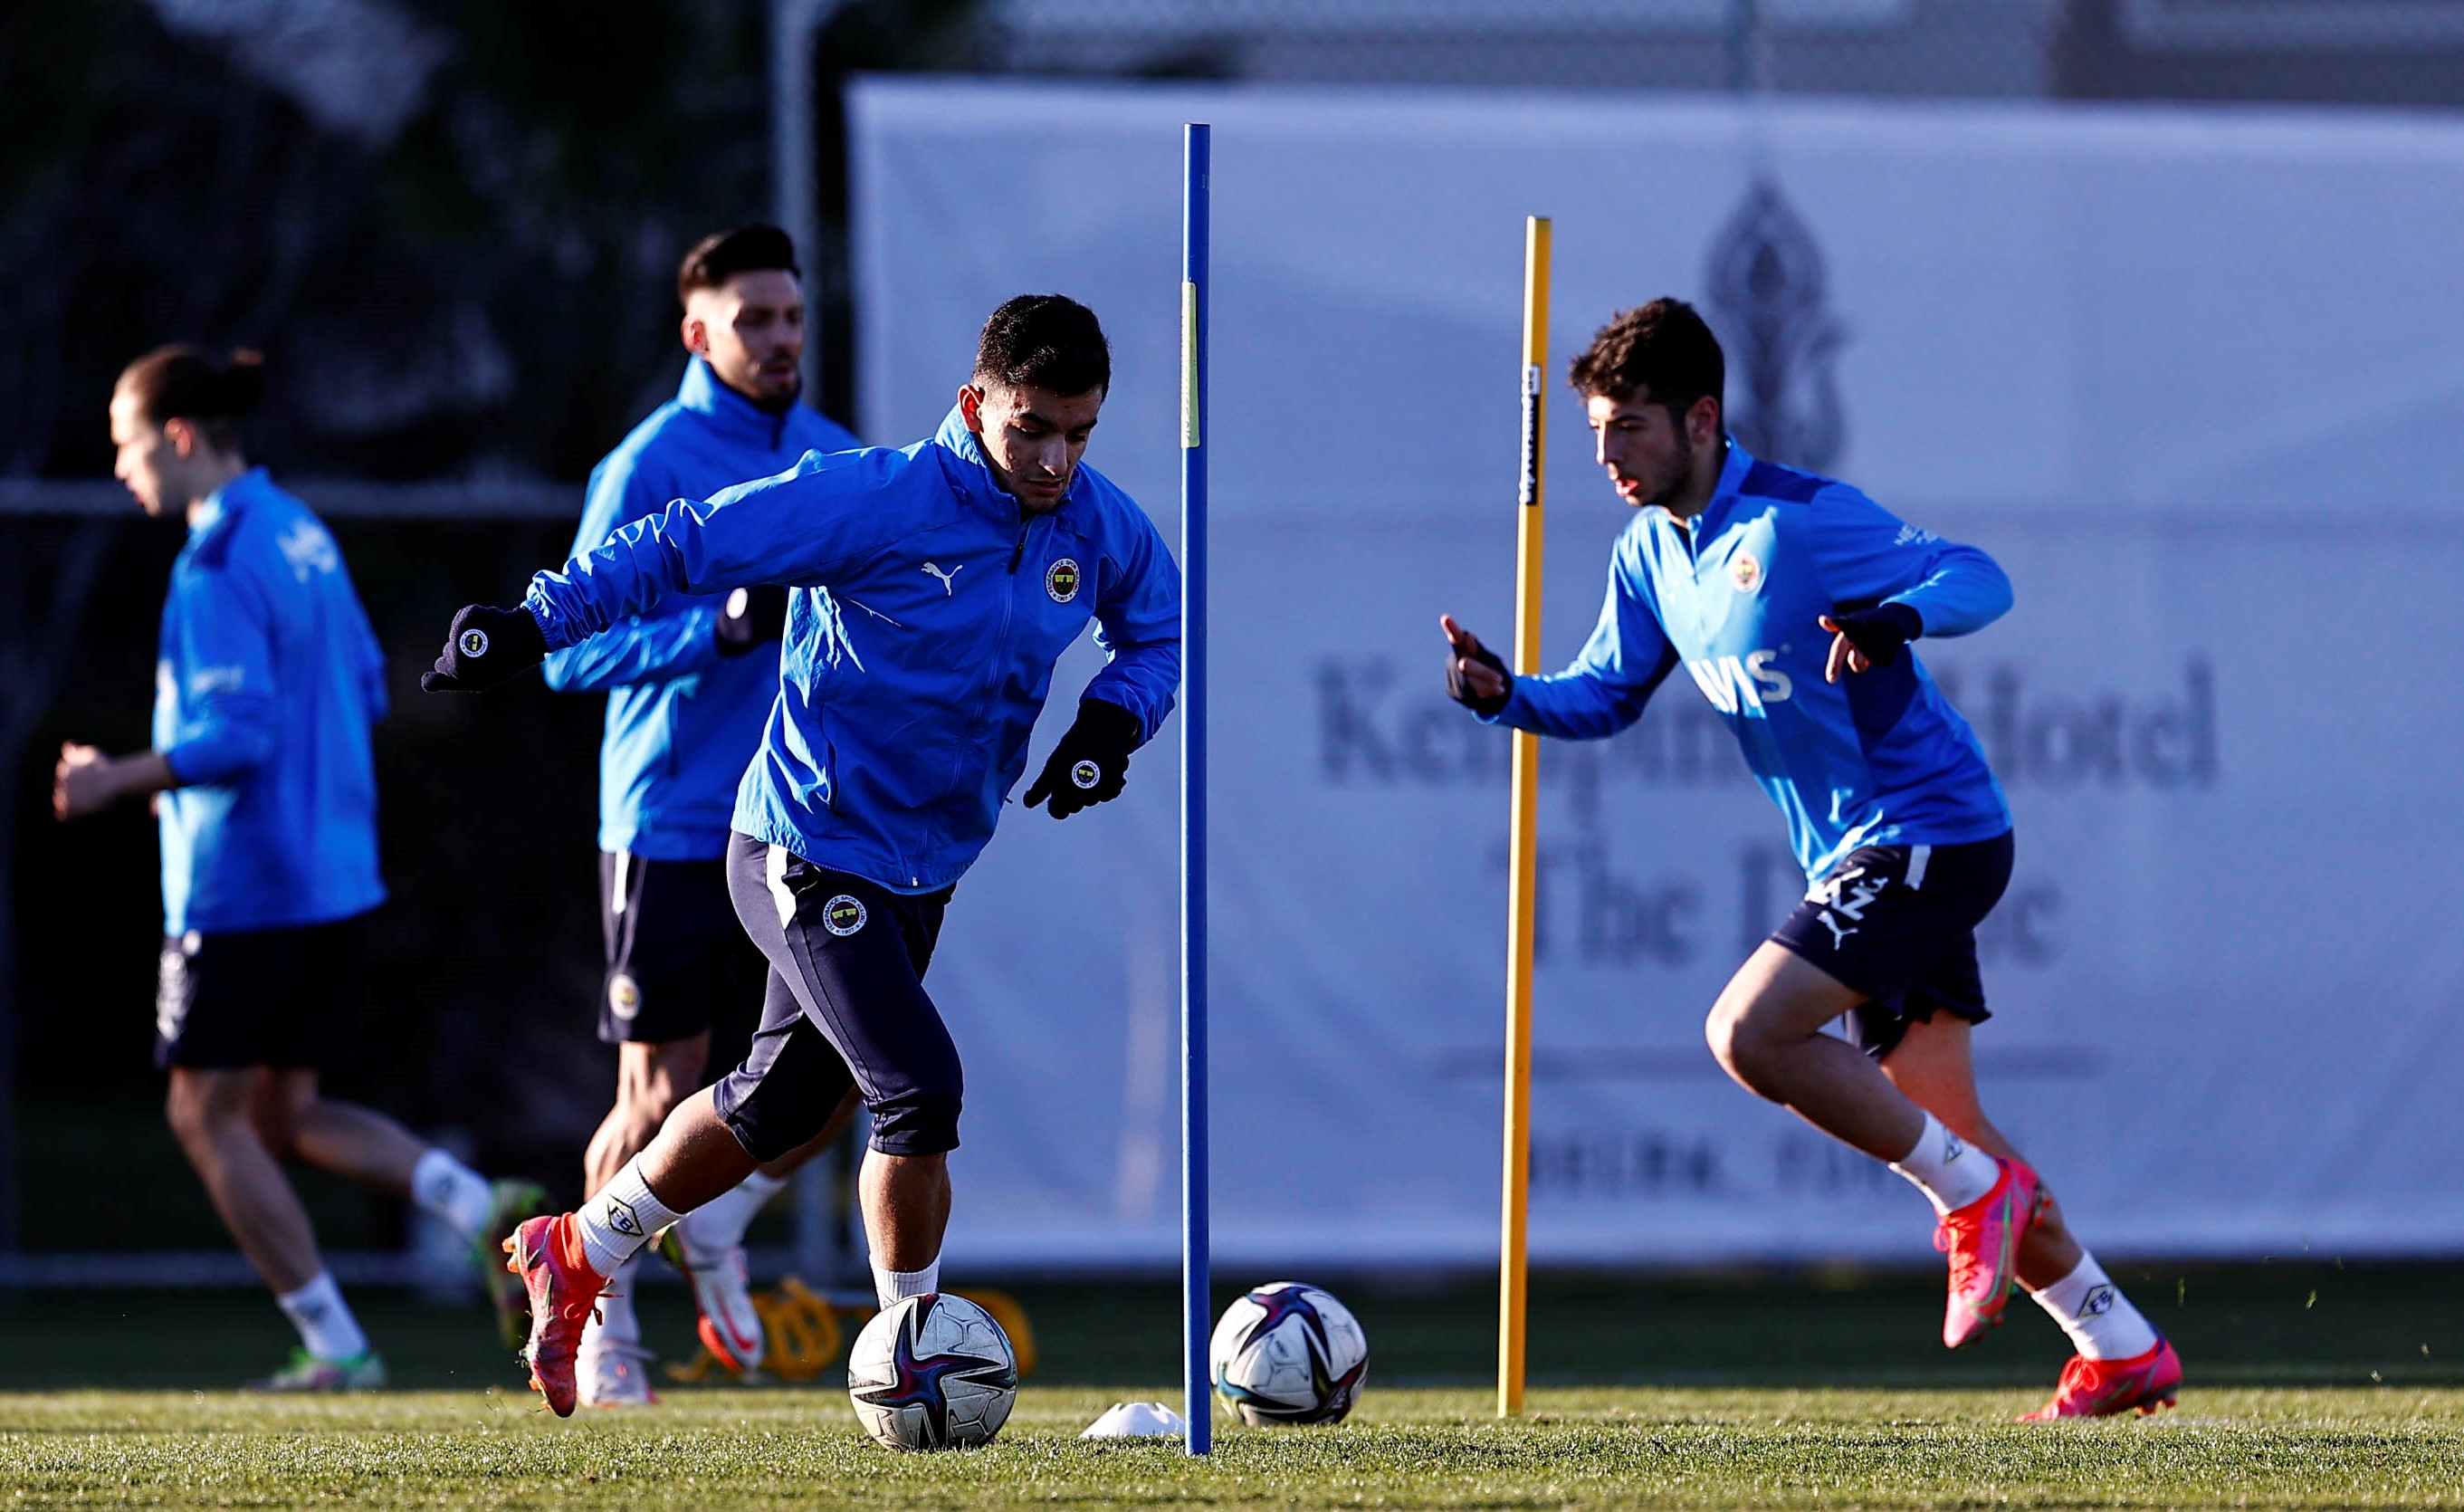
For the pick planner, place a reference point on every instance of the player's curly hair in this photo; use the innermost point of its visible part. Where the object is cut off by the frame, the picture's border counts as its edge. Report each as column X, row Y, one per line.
column 722, row 255
column 1045, row 341
column 181, row 381
column 1661, row 350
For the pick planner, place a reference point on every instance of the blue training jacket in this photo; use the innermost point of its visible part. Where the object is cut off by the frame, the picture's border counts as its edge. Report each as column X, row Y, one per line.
column 267, row 681
column 682, row 720
column 1878, row 758
column 920, row 647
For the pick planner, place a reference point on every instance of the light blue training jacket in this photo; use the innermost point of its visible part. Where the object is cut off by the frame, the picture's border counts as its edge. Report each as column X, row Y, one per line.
column 920, row 647
column 266, row 683
column 1878, row 758
column 682, row 720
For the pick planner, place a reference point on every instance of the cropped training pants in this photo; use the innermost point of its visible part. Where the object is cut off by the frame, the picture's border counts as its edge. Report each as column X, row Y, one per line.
column 844, row 1005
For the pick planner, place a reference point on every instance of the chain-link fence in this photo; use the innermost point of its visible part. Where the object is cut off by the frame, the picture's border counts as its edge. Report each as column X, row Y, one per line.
column 2357, row 52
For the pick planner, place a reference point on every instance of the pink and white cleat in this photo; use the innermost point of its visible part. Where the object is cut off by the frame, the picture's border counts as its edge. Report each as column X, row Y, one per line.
column 547, row 1253
column 2105, row 1388
column 1983, row 1243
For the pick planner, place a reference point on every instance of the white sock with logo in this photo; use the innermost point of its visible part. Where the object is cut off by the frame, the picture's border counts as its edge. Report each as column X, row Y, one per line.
column 719, row 1225
column 1947, row 1169
column 2101, row 1323
column 888, row 1286
column 624, row 1218
column 453, row 1192
column 615, row 1321
column 327, row 1330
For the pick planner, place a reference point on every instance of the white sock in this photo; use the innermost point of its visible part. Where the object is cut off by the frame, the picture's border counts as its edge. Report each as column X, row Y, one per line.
column 615, row 1321
column 453, row 1191
column 888, row 1286
column 624, row 1218
column 2101, row 1323
column 719, row 1225
column 327, row 1330
column 1947, row 1169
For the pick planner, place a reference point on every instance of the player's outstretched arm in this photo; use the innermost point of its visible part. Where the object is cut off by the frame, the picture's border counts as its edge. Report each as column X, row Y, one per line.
column 1603, row 692
column 801, row 527
column 677, row 639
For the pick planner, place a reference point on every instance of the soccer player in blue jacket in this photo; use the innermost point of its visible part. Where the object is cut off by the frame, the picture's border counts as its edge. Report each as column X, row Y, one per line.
column 267, row 680
column 1790, row 600
column 689, row 683
column 935, row 587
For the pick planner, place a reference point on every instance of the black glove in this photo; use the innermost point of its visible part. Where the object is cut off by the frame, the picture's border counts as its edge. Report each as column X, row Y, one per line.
column 1459, row 690
column 1880, row 630
column 486, row 647
column 1091, row 762
column 754, row 616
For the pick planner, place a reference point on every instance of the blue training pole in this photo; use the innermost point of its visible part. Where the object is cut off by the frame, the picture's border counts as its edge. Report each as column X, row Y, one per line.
column 1194, row 1306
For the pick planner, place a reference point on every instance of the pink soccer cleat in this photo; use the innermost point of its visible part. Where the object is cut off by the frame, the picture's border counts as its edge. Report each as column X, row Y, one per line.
column 2103, row 1387
column 547, row 1253
column 1983, row 1243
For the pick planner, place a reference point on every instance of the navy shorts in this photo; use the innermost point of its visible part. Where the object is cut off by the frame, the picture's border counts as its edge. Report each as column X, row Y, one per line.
column 1898, row 923
column 290, row 998
column 678, row 963
column 846, row 1006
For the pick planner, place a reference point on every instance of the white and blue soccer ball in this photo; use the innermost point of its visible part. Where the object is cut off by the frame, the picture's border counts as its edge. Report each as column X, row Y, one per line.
column 932, row 1372
column 1289, row 1353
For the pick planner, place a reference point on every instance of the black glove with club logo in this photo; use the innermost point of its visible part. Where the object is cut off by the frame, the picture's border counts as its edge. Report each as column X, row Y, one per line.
column 754, row 616
column 1091, row 762
column 487, row 646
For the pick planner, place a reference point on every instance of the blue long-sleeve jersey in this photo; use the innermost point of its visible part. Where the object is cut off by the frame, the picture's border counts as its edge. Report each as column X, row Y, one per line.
column 267, row 681
column 920, row 642
column 682, row 720
column 1878, row 758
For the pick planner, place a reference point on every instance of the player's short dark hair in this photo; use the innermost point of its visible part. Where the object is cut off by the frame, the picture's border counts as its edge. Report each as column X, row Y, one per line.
column 181, row 381
column 1661, row 350
column 722, row 255
column 1045, row 341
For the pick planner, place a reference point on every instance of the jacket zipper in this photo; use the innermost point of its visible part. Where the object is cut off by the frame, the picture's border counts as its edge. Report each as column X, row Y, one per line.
column 1018, row 554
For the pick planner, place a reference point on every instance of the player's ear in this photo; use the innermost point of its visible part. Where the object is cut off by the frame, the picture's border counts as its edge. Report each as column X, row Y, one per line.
column 971, row 407
column 1703, row 421
column 694, row 333
column 182, row 434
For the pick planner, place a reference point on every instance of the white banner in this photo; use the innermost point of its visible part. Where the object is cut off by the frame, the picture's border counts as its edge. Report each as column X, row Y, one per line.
column 2194, row 377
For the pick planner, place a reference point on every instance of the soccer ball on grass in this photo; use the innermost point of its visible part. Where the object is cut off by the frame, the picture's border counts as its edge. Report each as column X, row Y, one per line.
column 932, row 1372
column 1289, row 1353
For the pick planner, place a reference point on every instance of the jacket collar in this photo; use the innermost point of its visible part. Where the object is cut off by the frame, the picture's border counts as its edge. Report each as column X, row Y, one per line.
column 732, row 416
column 1724, row 494
column 230, row 498
column 981, row 489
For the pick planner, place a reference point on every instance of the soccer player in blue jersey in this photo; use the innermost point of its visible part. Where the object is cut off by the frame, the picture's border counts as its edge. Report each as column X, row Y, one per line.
column 267, row 680
column 1790, row 600
column 935, row 587
column 689, row 684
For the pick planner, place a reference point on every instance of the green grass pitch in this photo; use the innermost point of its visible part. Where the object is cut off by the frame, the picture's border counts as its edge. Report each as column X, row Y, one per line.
column 2311, row 1386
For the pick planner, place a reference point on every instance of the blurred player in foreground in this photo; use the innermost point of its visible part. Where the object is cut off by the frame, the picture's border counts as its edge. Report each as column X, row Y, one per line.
column 1792, row 599
column 267, row 680
column 690, row 684
column 938, row 585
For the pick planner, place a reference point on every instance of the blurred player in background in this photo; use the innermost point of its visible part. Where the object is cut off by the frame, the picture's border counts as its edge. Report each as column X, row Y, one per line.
column 1792, row 599
column 939, row 585
column 690, row 684
column 267, row 680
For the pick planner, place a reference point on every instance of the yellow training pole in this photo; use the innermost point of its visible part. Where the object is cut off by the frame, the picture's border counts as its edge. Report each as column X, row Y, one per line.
column 1522, row 833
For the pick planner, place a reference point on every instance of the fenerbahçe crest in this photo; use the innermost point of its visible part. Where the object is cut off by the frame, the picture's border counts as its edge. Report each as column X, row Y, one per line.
column 1061, row 579
column 843, row 915
column 1744, row 570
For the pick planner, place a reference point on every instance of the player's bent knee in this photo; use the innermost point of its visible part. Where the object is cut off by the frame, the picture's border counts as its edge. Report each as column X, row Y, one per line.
column 1741, row 1049
column 921, row 1123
